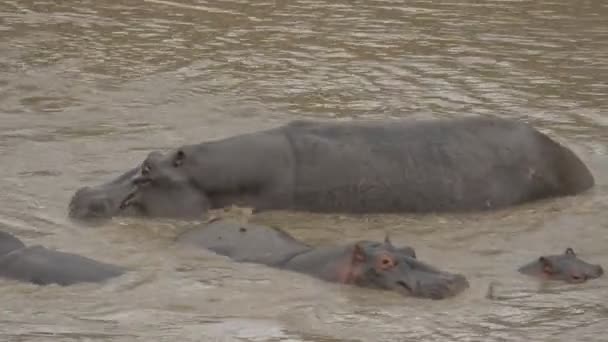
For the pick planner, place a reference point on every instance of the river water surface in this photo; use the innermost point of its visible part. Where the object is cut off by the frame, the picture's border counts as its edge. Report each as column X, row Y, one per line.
column 88, row 88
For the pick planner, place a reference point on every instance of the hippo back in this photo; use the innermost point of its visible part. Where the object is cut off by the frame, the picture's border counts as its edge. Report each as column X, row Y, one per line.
column 9, row 243
column 245, row 242
column 421, row 166
column 42, row 266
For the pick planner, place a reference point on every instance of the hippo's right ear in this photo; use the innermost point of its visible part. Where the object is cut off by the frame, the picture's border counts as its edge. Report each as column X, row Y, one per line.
column 546, row 264
column 358, row 254
column 387, row 240
column 179, row 158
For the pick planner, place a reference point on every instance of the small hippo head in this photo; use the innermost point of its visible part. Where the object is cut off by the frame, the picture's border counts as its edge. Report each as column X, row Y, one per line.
column 152, row 189
column 565, row 267
column 384, row 266
column 9, row 243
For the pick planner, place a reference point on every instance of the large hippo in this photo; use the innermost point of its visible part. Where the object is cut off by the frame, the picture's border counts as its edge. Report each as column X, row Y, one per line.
column 466, row 164
column 42, row 266
column 564, row 267
column 378, row 265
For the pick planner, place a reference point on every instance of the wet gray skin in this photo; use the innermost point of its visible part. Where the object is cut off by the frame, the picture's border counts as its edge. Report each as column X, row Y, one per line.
column 564, row 267
column 378, row 265
column 420, row 166
column 42, row 266
column 147, row 190
column 9, row 243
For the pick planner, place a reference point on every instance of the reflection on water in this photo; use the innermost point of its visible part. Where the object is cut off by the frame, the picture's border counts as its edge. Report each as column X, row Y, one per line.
column 87, row 88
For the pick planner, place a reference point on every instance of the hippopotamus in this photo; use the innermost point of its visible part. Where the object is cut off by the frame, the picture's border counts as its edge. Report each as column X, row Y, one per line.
column 369, row 264
column 563, row 267
column 384, row 166
column 42, row 266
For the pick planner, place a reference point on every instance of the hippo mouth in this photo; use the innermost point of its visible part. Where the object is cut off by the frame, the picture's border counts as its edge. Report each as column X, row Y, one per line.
column 405, row 288
column 128, row 201
column 131, row 198
column 438, row 286
column 577, row 279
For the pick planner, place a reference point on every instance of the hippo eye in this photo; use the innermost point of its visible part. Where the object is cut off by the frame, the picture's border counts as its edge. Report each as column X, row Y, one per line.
column 145, row 170
column 387, row 262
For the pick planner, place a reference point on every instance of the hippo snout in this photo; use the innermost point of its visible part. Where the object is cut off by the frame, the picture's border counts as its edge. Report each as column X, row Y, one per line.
column 77, row 201
column 592, row 272
column 85, row 204
column 440, row 286
column 90, row 203
column 599, row 271
column 82, row 190
column 454, row 285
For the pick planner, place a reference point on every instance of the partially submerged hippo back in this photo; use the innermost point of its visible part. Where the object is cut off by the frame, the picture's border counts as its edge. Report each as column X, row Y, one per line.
column 566, row 267
column 466, row 164
column 9, row 243
column 42, row 266
column 244, row 242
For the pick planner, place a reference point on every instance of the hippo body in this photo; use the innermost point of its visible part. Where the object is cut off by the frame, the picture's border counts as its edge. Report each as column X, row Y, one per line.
column 363, row 263
column 42, row 266
column 348, row 167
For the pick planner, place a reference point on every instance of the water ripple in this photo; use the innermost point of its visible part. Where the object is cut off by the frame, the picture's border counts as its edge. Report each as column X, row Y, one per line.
column 87, row 88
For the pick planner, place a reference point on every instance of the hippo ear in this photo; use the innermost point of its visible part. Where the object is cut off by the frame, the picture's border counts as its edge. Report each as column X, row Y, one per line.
column 546, row 264
column 569, row 251
column 387, row 240
column 408, row 251
column 358, row 254
column 179, row 158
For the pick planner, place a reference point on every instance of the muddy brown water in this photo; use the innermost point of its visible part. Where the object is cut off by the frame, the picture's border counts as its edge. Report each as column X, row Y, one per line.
column 88, row 88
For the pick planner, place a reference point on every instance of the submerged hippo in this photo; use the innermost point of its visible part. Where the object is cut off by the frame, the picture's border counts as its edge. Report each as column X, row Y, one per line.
column 363, row 263
column 565, row 267
column 42, row 266
column 351, row 167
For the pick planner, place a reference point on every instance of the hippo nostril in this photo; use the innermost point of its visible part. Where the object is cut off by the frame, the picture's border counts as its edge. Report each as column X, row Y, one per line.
column 145, row 170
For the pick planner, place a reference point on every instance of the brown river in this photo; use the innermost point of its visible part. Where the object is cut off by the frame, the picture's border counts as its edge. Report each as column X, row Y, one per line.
column 88, row 88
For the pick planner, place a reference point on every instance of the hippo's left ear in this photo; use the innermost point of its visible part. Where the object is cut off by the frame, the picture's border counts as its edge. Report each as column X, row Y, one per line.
column 178, row 160
column 359, row 255
column 387, row 240
column 569, row 251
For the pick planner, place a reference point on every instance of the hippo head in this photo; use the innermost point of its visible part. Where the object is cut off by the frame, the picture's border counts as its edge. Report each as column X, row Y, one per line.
column 152, row 189
column 384, row 266
column 565, row 267
column 9, row 243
